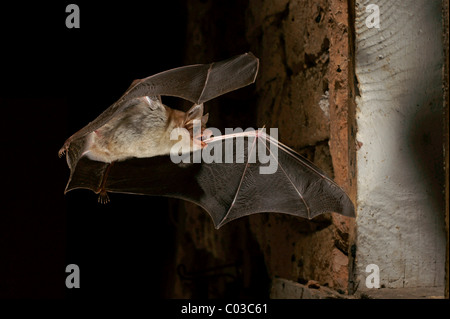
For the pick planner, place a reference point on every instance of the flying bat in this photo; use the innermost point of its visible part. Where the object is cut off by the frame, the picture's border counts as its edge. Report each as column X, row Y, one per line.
column 130, row 148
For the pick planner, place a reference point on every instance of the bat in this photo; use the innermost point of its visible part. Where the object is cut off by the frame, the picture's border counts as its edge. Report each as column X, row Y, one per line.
column 129, row 148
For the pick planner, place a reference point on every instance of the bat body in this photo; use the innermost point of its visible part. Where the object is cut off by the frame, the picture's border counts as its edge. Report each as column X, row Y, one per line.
column 129, row 148
column 142, row 130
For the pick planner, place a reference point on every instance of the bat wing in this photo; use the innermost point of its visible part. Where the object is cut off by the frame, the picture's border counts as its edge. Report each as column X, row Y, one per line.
column 295, row 187
column 226, row 189
column 196, row 83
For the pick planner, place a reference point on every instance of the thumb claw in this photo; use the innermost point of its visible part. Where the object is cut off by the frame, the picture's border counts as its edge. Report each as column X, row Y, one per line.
column 63, row 149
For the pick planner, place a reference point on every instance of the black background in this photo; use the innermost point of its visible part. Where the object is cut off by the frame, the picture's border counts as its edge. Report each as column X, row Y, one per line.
column 54, row 80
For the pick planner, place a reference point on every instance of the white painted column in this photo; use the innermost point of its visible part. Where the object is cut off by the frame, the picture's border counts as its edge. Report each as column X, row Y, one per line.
column 400, row 223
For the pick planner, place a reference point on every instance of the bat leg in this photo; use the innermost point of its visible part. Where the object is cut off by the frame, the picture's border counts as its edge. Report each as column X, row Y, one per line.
column 103, row 197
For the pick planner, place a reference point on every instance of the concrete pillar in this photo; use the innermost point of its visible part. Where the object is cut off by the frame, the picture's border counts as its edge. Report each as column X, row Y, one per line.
column 400, row 177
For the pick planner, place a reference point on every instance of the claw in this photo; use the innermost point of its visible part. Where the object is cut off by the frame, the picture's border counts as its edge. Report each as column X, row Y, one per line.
column 63, row 149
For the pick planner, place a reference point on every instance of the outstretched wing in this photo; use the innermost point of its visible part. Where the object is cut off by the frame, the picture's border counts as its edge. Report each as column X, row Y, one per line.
column 227, row 187
column 292, row 186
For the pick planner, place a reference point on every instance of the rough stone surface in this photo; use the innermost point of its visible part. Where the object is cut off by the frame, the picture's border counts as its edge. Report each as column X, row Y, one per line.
column 403, row 293
column 302, row 90
column 400, row 173
column 286, row 289
column 445, row 36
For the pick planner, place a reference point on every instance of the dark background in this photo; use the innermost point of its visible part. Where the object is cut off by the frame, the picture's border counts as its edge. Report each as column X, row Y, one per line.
column 54, row 81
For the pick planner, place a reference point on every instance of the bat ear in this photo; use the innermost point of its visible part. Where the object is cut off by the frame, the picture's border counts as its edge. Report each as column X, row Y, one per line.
column 205, row 119
column 195, row 113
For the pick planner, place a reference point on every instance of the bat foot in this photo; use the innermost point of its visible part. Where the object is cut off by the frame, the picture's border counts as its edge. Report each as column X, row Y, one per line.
column 103, row 198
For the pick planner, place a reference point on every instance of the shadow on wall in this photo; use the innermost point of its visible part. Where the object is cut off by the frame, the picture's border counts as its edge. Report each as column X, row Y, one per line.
column 426, row 144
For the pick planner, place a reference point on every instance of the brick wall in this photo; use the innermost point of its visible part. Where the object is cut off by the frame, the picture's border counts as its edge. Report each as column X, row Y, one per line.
column 303, row 90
